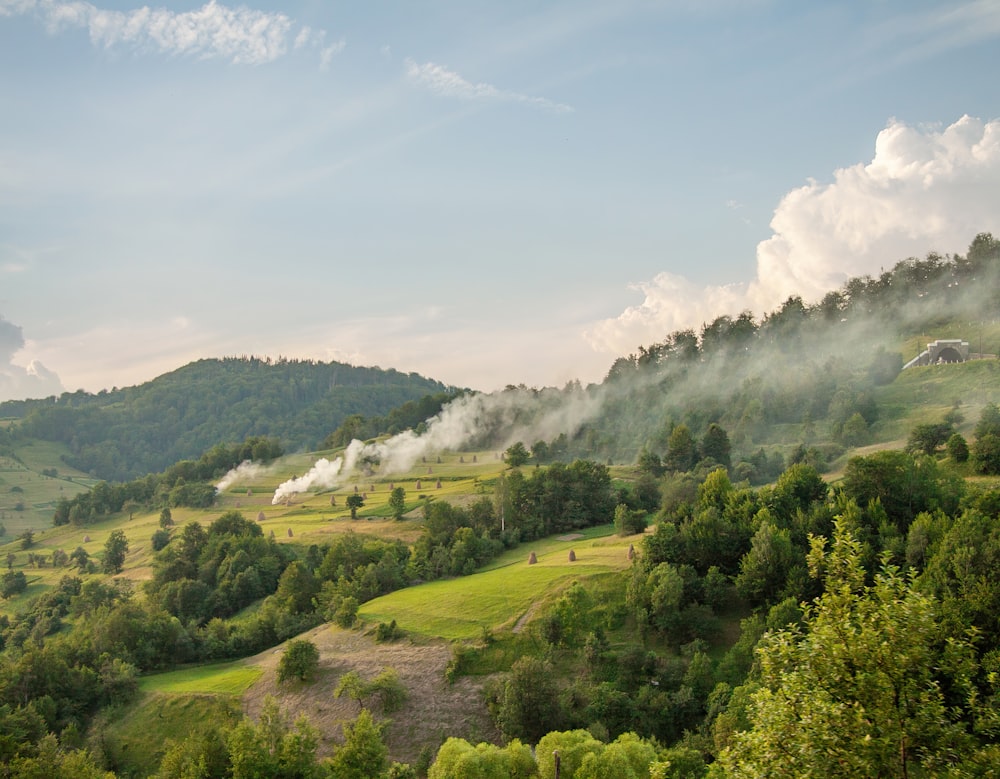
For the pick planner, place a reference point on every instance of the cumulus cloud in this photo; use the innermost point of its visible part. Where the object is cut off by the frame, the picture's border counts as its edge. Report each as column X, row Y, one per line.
column 241, row 35
column 16, row 382
column 447, row 83
column 925, row 189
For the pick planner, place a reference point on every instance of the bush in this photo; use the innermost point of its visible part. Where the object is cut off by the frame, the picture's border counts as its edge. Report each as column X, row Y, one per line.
column 387, row 631
column 300, row 661
column 160, row 539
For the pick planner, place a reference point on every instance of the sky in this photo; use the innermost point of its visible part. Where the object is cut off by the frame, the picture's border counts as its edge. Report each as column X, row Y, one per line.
column 482, row 193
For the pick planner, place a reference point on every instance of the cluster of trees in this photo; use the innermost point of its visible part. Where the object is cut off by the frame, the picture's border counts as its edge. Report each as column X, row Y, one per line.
column 185, row 483
column 890, row 668
column 122, row 434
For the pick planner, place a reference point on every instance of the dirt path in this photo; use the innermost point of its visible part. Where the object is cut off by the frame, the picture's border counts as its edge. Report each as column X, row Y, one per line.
column 433, row 711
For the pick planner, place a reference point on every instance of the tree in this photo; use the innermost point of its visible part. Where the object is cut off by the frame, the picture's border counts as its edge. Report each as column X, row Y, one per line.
column 13, row 583
column 363, row 754
column 715, row 445
column 160, row 539
column 856, row 691
column 516, row 455
column 166, row 518
column 458, row 759
column 526, row 704
column 681, row 450
column 958, row 448
column 271, row 748
column 629, row 522
column 928, row 438
column 397, row 502
column 354, row 502
column 27, row 538
column 115, row 549
column 300, row 661
column 80, row 558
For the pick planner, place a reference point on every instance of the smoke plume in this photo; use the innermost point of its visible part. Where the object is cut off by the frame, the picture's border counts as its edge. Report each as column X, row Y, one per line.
column 484, row 420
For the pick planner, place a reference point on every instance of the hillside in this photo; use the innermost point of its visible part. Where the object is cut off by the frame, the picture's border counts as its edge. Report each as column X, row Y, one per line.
column 124, row 433
column 461, row 579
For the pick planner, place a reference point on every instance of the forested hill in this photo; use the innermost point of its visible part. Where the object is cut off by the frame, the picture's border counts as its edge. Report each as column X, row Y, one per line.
column 124, row 433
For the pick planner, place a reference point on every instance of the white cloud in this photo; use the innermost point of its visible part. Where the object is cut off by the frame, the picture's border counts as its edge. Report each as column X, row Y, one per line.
column 16, row 382
column 239, row 34
column 447, row 83
column 925, row 189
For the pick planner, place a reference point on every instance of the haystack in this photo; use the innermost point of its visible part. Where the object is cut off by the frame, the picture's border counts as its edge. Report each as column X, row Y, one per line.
column 289, row 532
column 532, row 559
column 260, row 516
column 438, row 485
column 631, row 552
column 572, row 556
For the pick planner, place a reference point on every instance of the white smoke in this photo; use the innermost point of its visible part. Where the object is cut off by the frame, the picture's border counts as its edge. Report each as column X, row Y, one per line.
column 245, row 471
column 516, row 414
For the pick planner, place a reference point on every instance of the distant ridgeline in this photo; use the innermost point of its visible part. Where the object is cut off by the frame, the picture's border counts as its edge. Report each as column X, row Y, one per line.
column 124, row 433
column 801, row 374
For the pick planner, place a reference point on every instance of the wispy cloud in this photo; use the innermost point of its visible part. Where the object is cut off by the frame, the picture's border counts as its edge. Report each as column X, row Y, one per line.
column 241, row 35
column 447, row 83
column 923, row 34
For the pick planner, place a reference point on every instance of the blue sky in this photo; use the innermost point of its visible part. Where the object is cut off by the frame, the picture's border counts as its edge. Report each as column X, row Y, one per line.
column 484, row 193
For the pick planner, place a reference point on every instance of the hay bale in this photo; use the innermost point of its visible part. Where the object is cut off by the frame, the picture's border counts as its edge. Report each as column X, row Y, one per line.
column 391, row 486
column 461, row 459
column 532, row 559
column 438, row 486
column 86, row 539
column 333, row 500
column 289, row 532
column 260, row 516
column 355, row 489
column 249, row 492
column 418, row 484
column 572, row 556
column 237, row 504
column 429, row 469
column 364, row 496
column 631, row 552
column 439, row 459
column 474, row 458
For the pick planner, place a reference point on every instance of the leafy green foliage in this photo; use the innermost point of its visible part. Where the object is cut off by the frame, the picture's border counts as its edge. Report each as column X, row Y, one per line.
column 115, row 549
column 855, row 692
column 299, row 661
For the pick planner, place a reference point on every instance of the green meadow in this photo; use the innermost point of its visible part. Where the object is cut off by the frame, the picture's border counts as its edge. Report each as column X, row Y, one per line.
column 496, row 597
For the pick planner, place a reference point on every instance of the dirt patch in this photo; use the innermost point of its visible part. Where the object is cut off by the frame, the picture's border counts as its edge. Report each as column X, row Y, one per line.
column 433, row 711
column 519, row 625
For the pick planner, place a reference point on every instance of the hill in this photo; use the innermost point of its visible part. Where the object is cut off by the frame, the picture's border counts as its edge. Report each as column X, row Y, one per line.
column 121, row 434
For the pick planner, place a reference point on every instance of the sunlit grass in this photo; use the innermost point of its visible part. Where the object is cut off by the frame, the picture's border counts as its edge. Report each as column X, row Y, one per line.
column 218, row 679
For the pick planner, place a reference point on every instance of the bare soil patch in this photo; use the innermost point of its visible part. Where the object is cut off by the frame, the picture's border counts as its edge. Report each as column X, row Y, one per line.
column 433, row 710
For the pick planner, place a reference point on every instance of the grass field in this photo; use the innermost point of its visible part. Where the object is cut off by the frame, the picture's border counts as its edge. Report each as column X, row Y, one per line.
column 218, row 678
column 497, row 597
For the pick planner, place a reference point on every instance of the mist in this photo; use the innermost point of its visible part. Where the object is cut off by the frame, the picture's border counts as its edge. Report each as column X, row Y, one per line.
column 839, row 335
